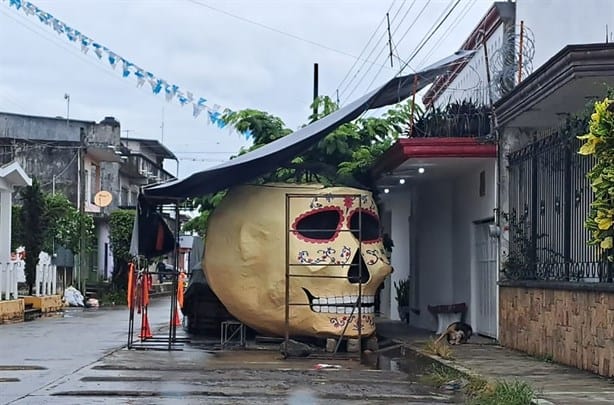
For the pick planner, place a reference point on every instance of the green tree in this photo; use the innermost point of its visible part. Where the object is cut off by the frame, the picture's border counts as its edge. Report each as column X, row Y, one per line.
column 121, row 223
column 342, row 157
column 33, row 229
column 62, row 225
column 44, row 222
column 17, row 233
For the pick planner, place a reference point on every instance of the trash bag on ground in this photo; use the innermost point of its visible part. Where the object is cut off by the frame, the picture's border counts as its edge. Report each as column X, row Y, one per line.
column 73, row 297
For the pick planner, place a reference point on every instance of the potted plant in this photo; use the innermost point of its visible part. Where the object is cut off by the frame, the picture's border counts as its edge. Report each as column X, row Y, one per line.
column 402, row 297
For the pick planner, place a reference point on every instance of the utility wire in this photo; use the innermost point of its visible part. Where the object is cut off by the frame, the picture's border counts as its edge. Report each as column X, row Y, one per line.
column 14, row 102
column 368, row 42
column 412, row 25
column 462, row 13
column 379, row 54
column 276, row 30
column 402, row 37
column 429, row 37
column 385, row 47
column 361, row 53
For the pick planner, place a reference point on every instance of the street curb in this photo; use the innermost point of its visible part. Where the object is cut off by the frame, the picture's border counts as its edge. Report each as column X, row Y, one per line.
column 447, row 363
column 463, row 370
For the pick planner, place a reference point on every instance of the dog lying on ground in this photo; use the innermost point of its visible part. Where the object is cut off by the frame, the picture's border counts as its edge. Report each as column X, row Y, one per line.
column 456, row 333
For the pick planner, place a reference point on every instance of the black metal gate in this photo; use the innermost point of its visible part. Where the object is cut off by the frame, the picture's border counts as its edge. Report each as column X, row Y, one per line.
column 549, row 197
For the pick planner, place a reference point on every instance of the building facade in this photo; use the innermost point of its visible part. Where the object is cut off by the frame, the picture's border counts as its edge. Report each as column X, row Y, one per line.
column 80, row 158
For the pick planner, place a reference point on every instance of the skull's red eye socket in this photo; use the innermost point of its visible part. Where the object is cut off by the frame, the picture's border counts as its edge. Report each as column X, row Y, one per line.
column 320, row 225
column 365, row 226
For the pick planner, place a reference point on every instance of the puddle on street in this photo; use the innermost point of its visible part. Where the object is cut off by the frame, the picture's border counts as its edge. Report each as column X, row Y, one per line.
column 399, row 358
column 414, row 365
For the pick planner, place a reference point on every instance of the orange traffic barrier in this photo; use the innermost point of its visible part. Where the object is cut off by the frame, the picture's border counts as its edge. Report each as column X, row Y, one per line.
column 145, row 285
column 180, row 289
column 130, row 284
column 145, row 330
column 176, row 321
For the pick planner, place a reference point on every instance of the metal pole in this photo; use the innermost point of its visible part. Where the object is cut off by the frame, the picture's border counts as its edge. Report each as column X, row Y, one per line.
column 67, row 98
column 567, row 193
column 520, row 51
column 176, row 265
column 81, row 205
column 389, row 39
column 413, row 106
column 360, row 264
column 287, row 292
column 315, row 90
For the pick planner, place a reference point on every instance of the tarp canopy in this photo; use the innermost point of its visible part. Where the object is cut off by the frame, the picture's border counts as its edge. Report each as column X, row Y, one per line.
column 273, row 155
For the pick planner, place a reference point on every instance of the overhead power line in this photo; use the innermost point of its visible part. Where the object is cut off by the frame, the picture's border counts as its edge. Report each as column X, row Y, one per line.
column 429, row 37
column 382, row 49
column 276, row 30
column 462, row 13
column 364, row 49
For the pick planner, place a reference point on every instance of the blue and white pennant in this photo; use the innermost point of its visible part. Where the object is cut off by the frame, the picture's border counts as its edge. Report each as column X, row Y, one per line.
column 158, row 85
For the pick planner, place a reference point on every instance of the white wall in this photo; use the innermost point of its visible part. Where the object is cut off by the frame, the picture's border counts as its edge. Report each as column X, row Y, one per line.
column 433, row 213
column 399, row 205
column 468, row 208
column 103, row 237
column 386, row 298
column 557, row 23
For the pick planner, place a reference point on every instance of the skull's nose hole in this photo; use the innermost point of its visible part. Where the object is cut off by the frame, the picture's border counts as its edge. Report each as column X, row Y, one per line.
column 358, row 272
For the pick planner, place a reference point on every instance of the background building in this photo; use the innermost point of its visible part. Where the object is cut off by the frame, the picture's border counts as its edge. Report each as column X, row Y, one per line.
column 55, row 150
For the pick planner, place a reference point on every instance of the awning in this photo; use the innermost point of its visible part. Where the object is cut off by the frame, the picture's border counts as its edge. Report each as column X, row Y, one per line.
column 271, row 156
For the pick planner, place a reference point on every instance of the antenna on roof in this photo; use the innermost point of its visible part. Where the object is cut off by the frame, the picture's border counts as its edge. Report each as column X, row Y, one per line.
column 67, row 98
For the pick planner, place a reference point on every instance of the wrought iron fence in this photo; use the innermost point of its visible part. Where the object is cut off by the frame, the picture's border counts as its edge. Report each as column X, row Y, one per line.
column 549, row 197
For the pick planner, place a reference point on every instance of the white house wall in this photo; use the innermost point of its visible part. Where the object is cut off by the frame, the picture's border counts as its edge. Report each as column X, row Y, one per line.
column 103, row 237
column 441, row 213
column 557, row 23
column 468, row 208
column 398, row 203
column 434, row 282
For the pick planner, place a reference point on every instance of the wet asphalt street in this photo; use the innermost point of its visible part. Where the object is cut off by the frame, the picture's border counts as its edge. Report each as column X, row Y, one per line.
column 80, row 358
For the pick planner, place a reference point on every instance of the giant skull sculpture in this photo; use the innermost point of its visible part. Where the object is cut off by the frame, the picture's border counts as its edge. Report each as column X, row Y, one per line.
column 245, row 260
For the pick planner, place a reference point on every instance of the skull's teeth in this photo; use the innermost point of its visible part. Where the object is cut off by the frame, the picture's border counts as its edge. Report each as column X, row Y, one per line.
column 345, row 300
column 342, row 305
column 324, row 309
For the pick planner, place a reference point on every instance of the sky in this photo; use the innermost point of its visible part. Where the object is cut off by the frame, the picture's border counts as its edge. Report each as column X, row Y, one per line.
column 237, row 54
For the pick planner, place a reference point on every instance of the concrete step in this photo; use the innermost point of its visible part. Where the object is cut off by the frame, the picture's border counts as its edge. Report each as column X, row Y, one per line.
column 31, row 314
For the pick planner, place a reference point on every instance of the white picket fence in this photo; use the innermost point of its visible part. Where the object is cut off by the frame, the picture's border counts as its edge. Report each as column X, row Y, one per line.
column 12, row 273
column 46, row 276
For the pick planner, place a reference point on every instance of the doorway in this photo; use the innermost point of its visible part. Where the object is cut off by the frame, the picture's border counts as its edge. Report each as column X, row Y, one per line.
column 486, row 280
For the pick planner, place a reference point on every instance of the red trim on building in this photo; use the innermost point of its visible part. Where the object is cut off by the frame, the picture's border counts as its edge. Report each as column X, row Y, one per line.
column 408, row 148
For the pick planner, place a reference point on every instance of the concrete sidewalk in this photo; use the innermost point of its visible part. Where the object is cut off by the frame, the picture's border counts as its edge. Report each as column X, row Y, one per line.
column 555, row 383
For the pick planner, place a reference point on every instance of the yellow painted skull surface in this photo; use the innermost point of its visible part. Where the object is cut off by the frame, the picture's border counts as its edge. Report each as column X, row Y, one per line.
column 245, row 261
